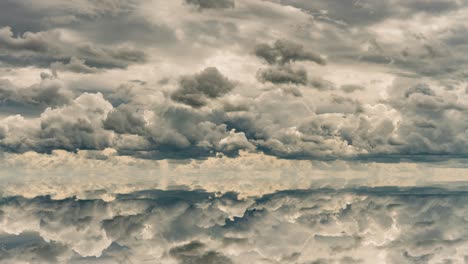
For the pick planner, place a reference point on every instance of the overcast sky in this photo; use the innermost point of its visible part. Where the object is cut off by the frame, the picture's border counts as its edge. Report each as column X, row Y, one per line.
column 323, row 83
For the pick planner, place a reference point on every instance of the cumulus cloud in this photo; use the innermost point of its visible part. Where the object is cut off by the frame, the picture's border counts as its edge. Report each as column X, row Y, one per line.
column 34, row 99
column 284, row 51
column 429, row 125
column 209, row 83
column 414, row 119
column 71, row 127
column 124, row 119
column 353, row 112
column 235, row 142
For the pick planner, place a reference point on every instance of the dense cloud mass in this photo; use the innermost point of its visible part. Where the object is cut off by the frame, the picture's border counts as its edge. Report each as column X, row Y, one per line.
column 194, row 90
column 196, row 79
column 203, row 115
column 364, row 225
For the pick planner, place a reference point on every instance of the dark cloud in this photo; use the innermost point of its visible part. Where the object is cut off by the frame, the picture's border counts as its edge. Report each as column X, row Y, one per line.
column 193, row 253
column 34, row 99
column 432, row 6
column 195, row 90
column 284, row 51
column 419, row 89
column 25, row 15
column 22, row 19
column 74, row 65
column 212, row 3
column 125, row 119
column 29, row 247
column 45, row 48
column 283, row 75
column 36, row 42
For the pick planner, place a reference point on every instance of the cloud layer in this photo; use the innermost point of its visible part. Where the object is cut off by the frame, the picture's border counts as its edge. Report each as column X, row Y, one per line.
column 388, row 225
column 338, row 81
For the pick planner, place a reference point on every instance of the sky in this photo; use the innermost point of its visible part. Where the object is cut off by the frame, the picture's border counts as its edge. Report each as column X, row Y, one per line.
column 232, row 106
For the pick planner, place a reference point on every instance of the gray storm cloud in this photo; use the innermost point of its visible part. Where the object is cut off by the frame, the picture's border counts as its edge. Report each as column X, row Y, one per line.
column 194, row 90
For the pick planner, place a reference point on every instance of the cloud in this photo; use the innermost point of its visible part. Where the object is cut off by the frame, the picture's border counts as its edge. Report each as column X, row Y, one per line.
column 350, row 88
column 429, row 125
column 29, row 247
column 415, row 119
column 270, row 111
column 194, row 90
column 284, row 51
column 70, row 127
column 283, row 75
column 48, row 47
column 322, row 84
column 202, row 4
column 39, row 42
column 200, row 131
column 124, row 119
column 193, row 253
column 74, row 65
column 353, row 225
column 235, row 142
column 34, row 99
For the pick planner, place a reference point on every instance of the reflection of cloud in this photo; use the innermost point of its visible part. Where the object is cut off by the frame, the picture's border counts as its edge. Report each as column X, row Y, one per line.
column 364, row 225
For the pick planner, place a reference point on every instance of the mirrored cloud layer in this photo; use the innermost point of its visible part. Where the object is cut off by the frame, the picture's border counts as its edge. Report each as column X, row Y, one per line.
column 194, row 79
column 364, row 225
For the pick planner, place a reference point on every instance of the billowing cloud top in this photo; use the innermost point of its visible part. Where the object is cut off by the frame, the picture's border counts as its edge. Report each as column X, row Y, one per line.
column 323, row 80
